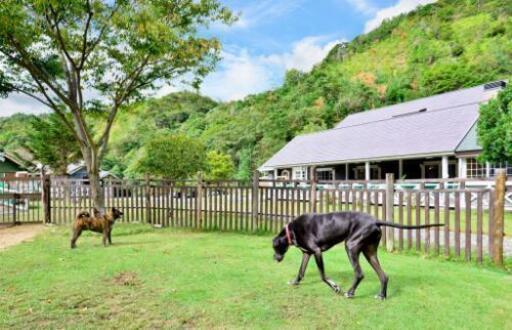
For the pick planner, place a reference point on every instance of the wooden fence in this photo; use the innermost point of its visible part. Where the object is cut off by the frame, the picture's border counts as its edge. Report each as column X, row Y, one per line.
column 20, row 200
column 471, row 230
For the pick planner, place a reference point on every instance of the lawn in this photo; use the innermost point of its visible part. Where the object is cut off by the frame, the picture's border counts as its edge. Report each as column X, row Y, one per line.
column 153, row 278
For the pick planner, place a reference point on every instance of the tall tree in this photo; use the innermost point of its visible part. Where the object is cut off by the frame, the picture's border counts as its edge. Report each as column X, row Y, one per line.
column 495, row 128
column 52, row 144
column 170, row 156
column 79, row 57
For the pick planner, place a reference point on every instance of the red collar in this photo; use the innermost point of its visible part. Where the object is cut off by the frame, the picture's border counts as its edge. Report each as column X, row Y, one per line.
column 288, row 236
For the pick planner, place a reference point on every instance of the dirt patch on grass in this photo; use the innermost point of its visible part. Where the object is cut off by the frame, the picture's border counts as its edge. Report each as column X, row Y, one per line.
column 12, row 235
column 126, row 279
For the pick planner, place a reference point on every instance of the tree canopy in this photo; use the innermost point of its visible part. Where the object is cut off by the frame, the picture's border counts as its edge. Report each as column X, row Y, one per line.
column 52, row 144
column 170, row 156
column 495, row 128
column 89, row 58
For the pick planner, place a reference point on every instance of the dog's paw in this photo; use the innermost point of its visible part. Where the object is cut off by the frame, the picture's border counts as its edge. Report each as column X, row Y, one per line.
column 337, row 289
column 349, row 295
column 380, row 297
column 293, row 282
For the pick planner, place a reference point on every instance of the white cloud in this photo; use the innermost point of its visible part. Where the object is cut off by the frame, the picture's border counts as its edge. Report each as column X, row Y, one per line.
column 304, row 55
column 20, row 103
column 362, row 6
column 402, row 6
column 240, row 73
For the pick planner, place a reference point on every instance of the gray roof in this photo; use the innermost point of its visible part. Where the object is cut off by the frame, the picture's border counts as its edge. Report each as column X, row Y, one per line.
column 405, row 130
column 470, row 141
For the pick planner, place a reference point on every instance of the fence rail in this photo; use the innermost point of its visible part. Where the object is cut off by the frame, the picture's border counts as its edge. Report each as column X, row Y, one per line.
column 468, row 212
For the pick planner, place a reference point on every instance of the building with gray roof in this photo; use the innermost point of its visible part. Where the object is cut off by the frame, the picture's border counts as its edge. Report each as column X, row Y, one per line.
column 432, row 137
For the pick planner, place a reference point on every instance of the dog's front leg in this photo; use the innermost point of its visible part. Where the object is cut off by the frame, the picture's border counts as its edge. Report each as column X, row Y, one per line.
column 320, row 264
column 110, row 236
column 105, row 235
column 302, row 270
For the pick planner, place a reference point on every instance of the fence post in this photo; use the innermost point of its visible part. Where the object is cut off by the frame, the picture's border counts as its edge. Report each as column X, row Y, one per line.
column 147, row 197
column 46, row 196
column 312, row 200
column 499, row 213
column 390, row 205
column 255, row 199
column 199, row 200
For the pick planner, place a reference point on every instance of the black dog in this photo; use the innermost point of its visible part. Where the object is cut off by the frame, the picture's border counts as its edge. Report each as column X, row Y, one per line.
column 316, row 233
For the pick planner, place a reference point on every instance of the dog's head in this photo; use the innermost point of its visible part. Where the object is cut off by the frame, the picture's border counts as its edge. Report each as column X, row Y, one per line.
column 280, row 245
column 113, row 214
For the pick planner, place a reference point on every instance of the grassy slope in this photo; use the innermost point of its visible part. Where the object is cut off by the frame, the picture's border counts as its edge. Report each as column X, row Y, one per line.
column 227, row 280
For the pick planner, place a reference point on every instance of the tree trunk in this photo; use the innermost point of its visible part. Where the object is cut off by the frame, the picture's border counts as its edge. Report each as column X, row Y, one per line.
column 93, row 170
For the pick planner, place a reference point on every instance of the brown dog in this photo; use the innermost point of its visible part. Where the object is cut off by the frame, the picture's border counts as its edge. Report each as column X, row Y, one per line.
column 98, row 223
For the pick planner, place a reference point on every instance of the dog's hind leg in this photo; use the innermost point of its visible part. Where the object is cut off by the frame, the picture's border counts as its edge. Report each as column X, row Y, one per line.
column 353, row 255
column 370, row 253
column 110, row 236
column 302, row 270
column 76, row 233
column 320, row 264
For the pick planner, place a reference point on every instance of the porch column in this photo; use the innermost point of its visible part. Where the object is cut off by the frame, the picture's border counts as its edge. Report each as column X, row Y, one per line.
column 346, row 171
column 444, row 165
column 400, row 169
column 367, row 171
column 463, row 168
column 275, row 174
column 487, row 169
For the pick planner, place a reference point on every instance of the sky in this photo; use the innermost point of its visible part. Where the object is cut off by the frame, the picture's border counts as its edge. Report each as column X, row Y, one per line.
column 269, row 38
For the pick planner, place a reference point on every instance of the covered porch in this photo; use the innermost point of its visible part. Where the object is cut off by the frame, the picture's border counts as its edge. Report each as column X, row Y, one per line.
column 440, row 167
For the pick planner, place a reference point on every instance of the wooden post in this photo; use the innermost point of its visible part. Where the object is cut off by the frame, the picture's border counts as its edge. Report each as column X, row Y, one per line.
column 312, row 200
column 255, row 199
column 45, row 196
column 199, row 200
column 390, row 205
column 499, row 214
column 147, row 197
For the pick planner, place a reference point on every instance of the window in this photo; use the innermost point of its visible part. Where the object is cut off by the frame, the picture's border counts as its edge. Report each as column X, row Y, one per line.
column 479, row 170
column 475, row 169
column 300, row 173
column 325, row 174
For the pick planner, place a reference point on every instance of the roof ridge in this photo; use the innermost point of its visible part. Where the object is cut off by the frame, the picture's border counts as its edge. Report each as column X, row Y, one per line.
column 386, row 119
column 415, row 100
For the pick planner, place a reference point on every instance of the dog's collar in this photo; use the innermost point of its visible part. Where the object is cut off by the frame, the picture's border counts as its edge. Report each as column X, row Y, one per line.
column 288, row 236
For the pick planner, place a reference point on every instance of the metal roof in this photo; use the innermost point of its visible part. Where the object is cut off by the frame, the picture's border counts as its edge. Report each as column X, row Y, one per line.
column 430, row 126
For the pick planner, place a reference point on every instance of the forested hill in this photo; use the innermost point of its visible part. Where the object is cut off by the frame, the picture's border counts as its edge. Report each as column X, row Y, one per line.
column 440, row 47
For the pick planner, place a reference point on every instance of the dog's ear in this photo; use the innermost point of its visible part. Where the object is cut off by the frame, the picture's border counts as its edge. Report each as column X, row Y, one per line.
column 97, row 212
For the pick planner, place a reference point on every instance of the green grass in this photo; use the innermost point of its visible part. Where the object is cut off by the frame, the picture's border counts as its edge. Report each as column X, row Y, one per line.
column 172, row 278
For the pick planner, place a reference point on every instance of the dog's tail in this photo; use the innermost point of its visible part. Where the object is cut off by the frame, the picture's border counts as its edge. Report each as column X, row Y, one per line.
column 83, row 214
column 395, row 225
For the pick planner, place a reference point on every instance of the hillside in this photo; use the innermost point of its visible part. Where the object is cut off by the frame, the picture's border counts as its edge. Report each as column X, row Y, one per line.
column 445, row 46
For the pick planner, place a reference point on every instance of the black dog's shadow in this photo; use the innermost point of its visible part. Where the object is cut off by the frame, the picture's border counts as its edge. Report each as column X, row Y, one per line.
column 344, row 278
column 133, row 243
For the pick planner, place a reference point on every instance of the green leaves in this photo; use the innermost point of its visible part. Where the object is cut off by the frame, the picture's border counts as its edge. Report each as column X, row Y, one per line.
column 495, row 128
column 52, row 143
column 170, row 156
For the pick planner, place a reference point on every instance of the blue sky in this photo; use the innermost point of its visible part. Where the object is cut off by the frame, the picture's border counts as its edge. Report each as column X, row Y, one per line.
column 270, row 37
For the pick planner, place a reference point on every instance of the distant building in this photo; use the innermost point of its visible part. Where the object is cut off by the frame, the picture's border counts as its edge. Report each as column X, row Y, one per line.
column 12, row 166
column 433, row 137
column 79, row 171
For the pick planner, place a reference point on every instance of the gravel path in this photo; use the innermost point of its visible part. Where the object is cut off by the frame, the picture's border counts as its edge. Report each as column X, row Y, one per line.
column 10, row 236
